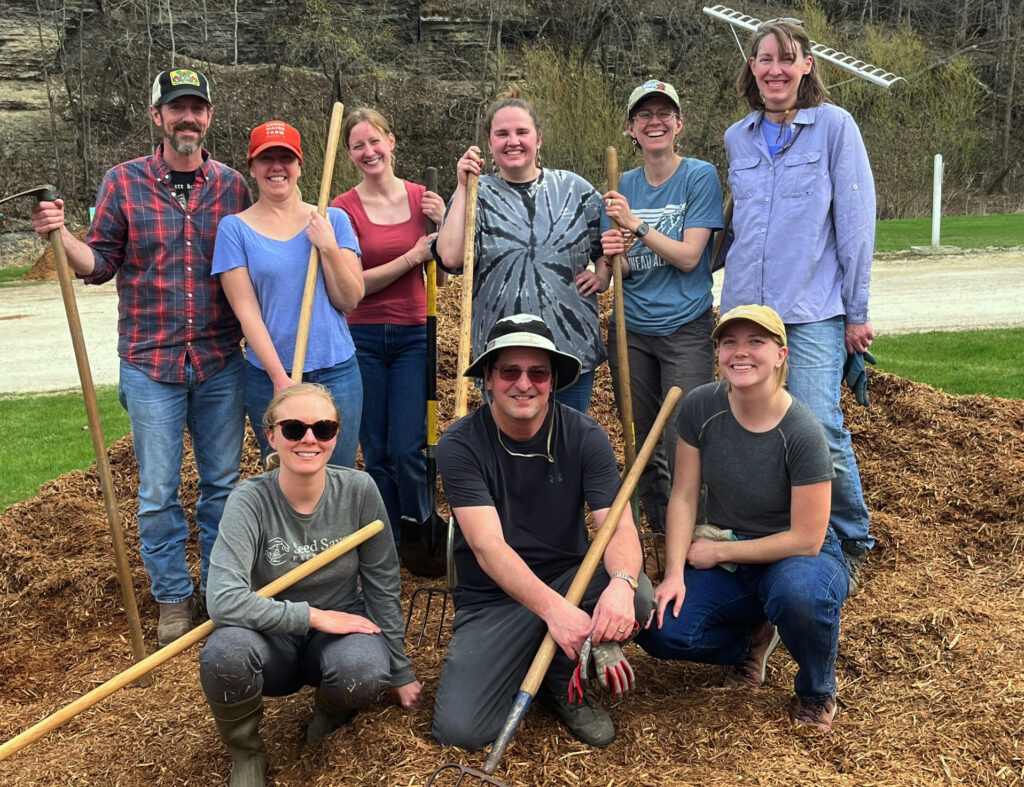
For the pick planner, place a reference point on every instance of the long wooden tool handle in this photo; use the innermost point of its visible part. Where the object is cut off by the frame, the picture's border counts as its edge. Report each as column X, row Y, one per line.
column 611, row 162
column 99, row 447
column 309, row 291
column 546, row 652
column 430, row 178
column 100, row 693
column 466, row 326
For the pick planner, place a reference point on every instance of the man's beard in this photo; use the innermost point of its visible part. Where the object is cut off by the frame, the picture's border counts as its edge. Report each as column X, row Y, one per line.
column 182, row 147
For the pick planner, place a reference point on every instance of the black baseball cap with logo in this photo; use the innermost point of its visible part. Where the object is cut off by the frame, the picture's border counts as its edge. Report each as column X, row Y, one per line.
column 178, row 82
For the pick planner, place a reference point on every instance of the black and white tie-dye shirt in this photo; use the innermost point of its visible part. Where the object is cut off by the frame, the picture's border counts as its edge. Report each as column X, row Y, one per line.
column 532, row 239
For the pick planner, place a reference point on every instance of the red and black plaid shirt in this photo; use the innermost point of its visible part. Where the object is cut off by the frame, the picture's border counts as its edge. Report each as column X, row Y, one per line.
column 169, row 306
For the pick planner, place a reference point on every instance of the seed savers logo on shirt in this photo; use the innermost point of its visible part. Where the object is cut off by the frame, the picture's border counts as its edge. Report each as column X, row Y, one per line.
column 184, row 77
column 277, row 551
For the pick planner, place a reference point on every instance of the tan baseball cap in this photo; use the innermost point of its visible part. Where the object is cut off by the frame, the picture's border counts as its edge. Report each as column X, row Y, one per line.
column 765, row 316
column 652, row 87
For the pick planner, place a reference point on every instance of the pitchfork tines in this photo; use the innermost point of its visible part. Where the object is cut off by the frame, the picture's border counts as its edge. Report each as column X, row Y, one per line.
column 460, row 773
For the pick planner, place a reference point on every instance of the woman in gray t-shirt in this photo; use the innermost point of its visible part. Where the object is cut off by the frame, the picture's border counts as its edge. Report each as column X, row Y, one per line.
column 770, row 566
column 339, row 629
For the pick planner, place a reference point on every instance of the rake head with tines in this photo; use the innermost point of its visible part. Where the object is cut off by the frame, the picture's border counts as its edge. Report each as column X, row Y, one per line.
column 430, row 592
column 463, row 775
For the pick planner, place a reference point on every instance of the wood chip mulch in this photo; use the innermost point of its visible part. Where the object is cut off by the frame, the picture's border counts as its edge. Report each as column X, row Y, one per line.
column 931, row 656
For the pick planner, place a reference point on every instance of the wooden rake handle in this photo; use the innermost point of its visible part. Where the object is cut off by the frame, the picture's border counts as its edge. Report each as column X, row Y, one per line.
column 546, row 652
column 466, row 326
column 133, row 673
column 309, row 291
column 611, row 163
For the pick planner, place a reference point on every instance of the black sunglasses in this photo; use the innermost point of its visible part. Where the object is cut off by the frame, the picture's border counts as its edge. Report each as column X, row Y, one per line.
column 536, row 374
column 293, row 429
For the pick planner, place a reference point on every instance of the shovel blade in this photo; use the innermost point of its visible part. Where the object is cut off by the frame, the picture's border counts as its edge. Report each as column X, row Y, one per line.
column 422, row 546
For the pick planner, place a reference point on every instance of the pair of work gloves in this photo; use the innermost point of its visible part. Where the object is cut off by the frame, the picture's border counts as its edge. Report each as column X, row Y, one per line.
column 608, row 664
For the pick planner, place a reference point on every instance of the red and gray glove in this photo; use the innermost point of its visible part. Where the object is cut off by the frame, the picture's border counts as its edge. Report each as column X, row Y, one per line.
column 607, row 662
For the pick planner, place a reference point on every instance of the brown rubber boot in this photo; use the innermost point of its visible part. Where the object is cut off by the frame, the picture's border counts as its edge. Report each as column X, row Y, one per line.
column 239, row 728
column 176, row 620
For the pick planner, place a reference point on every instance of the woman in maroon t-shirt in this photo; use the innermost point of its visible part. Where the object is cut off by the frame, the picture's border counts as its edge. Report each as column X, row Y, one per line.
column 389, row 326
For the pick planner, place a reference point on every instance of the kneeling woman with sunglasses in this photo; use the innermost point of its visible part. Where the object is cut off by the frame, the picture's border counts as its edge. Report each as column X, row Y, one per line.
column 340, row 629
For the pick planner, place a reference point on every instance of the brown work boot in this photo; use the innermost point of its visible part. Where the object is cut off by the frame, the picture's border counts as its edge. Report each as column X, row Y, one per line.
column 654, row 556
column 176, row 620
column 813, row 715
column 751, row 671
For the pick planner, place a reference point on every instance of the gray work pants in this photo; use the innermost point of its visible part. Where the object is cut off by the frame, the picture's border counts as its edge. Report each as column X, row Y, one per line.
column 489, row 655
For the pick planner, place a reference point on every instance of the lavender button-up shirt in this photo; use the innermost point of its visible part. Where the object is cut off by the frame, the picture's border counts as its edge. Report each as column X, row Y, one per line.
column 803, row 228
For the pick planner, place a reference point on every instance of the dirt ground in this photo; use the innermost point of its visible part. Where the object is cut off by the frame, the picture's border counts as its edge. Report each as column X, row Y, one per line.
column 931, row 686
column 909, row 293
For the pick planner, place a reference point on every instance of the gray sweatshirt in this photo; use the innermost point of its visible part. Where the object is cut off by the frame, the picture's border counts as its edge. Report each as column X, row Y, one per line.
column 262, row 538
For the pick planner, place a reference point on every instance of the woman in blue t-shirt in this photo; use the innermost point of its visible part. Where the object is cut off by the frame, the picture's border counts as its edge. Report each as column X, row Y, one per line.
column 667, row 211
column 261, row 256
column 770, row 566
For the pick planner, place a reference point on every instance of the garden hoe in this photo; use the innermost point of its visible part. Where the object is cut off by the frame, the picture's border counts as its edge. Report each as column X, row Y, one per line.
column 49, row 194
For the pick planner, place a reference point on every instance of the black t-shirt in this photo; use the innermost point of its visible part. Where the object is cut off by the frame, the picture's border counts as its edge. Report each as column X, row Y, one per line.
column 182, row 183
column 539, row 503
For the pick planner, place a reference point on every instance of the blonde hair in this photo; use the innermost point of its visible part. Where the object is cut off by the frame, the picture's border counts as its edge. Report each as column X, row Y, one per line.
column 364, row 115
column 299, row 389
column 793, row 39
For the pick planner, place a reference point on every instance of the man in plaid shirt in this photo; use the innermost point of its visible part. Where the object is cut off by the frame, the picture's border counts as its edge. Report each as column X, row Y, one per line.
column 181, row 365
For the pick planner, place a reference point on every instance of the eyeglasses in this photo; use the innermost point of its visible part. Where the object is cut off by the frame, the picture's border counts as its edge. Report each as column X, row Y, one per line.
column 293, row 429
column 536, row 374
column 646, row 116
column 790, row 19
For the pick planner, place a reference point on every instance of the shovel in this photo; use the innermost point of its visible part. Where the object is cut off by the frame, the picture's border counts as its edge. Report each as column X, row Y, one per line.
column 421, row 545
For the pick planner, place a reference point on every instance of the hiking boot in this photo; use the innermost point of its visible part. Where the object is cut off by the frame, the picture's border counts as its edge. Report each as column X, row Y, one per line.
column 855, row 556
column 326, row 719
column 588, row 722
column 751, row 671
column 176, row 620
column 813, row 715
column 239, row 728
column 654, row 555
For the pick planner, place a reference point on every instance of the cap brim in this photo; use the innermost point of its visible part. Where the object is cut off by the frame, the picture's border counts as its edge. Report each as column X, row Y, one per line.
column 184, row 91
column 276, row 144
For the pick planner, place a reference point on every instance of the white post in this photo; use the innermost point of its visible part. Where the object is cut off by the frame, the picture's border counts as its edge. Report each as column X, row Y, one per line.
column 936, row 200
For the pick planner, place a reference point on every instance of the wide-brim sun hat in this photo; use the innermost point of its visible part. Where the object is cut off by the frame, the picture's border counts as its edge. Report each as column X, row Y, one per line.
column 527, row 330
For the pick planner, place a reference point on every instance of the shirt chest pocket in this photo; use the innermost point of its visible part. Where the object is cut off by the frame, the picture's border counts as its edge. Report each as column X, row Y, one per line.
column 744, row 177
column 802, row 174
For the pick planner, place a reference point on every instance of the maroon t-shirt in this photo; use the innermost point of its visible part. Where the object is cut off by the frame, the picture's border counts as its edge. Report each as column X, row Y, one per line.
column 404, row 301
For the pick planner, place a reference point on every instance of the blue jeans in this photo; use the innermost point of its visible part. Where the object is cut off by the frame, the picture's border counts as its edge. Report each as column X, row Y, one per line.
column 801, row 595
column 159, row 412
column 577, row 395
column 345, row 386
column 817, row 352
column 393, row 433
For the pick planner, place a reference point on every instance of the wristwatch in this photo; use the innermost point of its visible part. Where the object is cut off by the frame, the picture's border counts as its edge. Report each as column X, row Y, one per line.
column 642, row 229
column 622, row 575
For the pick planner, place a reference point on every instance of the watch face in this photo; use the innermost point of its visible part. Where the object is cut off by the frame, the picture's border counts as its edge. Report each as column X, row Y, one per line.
column 642, row 229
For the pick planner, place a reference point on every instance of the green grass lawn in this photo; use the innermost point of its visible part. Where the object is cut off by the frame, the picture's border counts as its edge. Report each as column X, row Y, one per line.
column 967, row 232
column 972, row 362
column 9, row 275
column 45, row 436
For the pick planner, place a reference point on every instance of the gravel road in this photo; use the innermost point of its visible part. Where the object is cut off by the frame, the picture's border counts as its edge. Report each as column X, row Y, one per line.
column 909, row 294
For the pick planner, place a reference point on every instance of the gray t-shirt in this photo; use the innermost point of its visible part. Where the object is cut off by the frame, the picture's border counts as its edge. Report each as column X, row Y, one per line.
column 750, row 475
column 262, row 538
column 532, row 239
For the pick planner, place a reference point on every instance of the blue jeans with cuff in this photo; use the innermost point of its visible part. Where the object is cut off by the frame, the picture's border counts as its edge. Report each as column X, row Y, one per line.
column 801, row 595
column 212, row 412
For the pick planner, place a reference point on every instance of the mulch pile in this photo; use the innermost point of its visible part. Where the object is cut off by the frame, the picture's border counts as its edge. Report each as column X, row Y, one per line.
column 45, row 267
column 930, row 657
